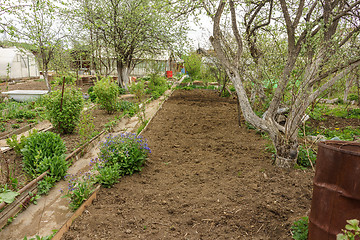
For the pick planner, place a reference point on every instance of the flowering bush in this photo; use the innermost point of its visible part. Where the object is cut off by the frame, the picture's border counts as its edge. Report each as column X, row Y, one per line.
column 79, row 189
column 119, row 155
column 127, row 150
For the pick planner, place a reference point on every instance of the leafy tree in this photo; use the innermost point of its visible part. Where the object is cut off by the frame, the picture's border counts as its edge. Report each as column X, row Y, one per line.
column 322, row 45
column 131, row 29
column 40, row 24
column 193, row 64
column 7, row 7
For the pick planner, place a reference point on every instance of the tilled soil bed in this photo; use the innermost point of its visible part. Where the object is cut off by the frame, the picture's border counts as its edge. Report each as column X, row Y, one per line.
column 206, row 178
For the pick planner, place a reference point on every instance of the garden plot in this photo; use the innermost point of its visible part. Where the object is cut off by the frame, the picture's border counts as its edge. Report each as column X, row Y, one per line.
column 206, row 178
column 52, row 211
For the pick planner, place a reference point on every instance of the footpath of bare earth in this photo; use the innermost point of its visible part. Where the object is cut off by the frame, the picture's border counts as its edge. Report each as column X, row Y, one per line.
column 206, row 178
column 52, row 211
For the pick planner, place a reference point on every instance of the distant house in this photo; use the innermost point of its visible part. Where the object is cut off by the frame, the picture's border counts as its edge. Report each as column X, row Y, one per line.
column 166, row 61
column 17, row 63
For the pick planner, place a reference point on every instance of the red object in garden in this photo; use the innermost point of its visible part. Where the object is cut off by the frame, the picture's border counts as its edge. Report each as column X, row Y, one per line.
column 169, row 74
column 336, row 193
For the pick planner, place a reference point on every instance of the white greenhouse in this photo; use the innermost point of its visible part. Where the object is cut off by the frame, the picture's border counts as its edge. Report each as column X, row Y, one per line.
column 17, row 64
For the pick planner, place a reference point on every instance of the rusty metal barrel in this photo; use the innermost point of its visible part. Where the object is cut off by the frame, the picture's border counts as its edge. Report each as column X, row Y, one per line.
column 336, row 193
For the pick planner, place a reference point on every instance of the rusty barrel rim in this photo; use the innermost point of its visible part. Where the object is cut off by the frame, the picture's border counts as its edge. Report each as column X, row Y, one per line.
column 326, row 144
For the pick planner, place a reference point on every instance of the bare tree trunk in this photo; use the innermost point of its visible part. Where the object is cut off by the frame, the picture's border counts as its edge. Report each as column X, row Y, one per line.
column 123, row 74
column 46, row 77
column 286, row 151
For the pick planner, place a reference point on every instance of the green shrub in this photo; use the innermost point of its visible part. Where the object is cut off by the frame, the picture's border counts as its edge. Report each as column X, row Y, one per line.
column 128, row 108
column 193, row 64
column 56, row 165
column 45, row 185
column 92, row 94
column 86, row 126
column 300, row 229
column 64, row 115
column 138, row 89
column 108, row 176
column 155, row 94
column 2, row 127
column 303, row 157
column 128, row 151
column 44, row 151
column 353, row 97
column 157, row 86
column 79, row 189
column 353, row 113
column 121, row 90
column 68, row 80
column 18, row 145
column 24, row 114
column 107, row 93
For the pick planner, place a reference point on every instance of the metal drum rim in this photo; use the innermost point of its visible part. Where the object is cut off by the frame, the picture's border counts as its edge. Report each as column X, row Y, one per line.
column 324, row 144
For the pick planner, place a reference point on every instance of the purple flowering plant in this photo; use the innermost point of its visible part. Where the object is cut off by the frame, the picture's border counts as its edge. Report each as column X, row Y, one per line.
column 80, row 187
column 119, row 155
column 127, row 151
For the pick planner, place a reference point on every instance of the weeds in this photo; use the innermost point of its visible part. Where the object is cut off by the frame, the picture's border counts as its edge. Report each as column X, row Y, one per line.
column 299, row 229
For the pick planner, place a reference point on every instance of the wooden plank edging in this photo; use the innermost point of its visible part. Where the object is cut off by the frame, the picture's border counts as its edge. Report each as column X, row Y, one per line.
column 77, row 213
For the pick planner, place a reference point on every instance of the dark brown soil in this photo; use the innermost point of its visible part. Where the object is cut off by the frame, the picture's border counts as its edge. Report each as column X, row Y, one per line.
column 35, row 85
column 206, row 178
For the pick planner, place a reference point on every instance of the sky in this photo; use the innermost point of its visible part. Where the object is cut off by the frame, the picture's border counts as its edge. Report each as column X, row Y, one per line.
column 201, row 32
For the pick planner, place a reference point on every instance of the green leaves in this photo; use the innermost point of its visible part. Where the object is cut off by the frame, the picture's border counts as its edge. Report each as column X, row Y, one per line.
column 300, row 229
column 8, row 196
column 64, row 112
column 107, row 93
column 44, row 151
column 352, row 230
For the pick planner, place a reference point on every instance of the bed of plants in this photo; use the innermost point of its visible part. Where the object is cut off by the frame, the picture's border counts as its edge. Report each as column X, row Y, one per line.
column 45, row 151
column 15, row 114
column 119, row 155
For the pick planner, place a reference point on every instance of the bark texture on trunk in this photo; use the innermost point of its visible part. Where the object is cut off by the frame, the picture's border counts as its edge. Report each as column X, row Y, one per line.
column 123, row 74
column 46, row 78
column 286, row 151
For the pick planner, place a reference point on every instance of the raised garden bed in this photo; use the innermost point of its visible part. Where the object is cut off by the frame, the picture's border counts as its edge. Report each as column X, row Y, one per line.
column 73, row 143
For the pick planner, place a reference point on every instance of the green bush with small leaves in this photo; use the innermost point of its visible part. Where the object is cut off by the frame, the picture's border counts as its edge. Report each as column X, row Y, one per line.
column 107, row 93
column 353, row 97
column 45, row 185
column 44, row 151
column 92, row 94
column 305, row 156
column 300, row 229
column 129, row 108
column 64, row 113
column 109, row 175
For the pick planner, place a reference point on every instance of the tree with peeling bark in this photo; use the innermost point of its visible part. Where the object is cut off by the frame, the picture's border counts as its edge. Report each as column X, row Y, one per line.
column 40, row 24
column 322, row 40
column 132, row 29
